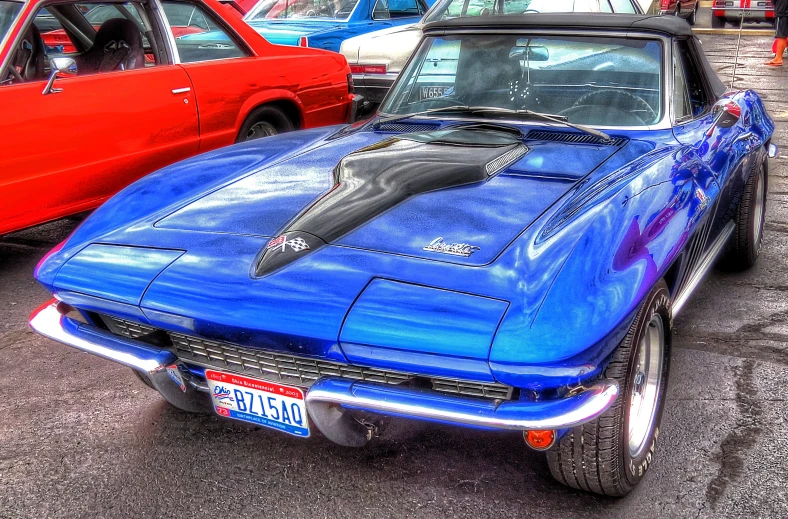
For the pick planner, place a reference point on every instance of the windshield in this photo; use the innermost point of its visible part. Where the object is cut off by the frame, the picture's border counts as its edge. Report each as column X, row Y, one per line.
column 302, row 9
column 8, row 12
column 605, row 81
column 444, row 9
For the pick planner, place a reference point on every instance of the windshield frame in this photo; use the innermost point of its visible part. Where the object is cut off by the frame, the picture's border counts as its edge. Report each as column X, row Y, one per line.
column 4, row 38
column 665, row 122
column 249, row 17
column 443, row 5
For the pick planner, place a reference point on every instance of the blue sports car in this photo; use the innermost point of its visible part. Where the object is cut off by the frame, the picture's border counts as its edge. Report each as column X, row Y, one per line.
column 504, row 246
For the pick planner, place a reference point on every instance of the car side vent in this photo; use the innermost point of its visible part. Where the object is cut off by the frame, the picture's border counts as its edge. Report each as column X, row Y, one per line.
column 405, row 127
column 574, row 138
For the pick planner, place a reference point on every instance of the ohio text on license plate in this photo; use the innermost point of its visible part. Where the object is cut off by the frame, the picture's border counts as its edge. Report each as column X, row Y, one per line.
column 259, row 402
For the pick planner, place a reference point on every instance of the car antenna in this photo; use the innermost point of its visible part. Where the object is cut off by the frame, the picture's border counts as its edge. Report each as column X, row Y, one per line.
column 738, row 44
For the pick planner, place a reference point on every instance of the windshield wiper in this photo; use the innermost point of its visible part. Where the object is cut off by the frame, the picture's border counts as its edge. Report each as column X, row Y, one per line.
column 453, row 108
column 560, row 119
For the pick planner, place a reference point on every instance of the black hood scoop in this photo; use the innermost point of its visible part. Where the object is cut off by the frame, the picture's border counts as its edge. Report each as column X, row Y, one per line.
column 374, row 179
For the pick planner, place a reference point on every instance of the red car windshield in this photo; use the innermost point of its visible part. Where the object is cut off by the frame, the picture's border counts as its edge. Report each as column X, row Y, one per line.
column 8, row 13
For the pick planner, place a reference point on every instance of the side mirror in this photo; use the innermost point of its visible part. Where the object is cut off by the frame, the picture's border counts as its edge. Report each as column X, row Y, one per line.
column 726, row 114
column 61, row 67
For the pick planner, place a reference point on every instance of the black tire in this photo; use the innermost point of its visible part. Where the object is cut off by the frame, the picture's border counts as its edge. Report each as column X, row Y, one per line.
column 596, row 456
column 745, row 243
column 693, row 17
column 143, row 379
column 264, row 121
column 717, row 22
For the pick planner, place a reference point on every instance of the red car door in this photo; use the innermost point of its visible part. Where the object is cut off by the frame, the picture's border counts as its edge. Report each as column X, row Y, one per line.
column 68, row 151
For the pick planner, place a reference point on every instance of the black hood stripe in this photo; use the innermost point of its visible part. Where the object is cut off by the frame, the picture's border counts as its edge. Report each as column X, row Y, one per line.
column 375, row 179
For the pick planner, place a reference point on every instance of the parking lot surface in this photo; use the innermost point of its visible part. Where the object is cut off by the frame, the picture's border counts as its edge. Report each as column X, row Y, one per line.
column 82, row 437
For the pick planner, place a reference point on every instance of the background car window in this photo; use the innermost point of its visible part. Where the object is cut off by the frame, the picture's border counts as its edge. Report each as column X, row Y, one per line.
column 312, row 9
column 681, row 103
column 186, row 16
column 698, row 98
column 199, row 44
column 623, row 6
column 60, row 40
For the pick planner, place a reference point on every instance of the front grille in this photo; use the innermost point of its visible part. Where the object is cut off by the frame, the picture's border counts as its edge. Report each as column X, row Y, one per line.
column 128, row 329
column 292, row 369
column 574, row 138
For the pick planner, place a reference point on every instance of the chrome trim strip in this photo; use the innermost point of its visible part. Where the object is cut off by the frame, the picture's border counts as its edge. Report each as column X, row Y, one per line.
column 172, row 48
column 48, row 322
column 515, row 415
column 703, row 267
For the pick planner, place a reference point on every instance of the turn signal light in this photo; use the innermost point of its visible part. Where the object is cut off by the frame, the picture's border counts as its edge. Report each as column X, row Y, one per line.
column 539, row 440
column 368, row 69
column 303, row 41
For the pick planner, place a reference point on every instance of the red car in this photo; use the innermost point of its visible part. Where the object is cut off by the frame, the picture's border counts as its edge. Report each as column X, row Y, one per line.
column 687, row 9
column 74, row 136
column 734, row 11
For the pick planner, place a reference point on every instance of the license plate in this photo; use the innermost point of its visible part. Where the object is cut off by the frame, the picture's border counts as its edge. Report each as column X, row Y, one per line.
column 431, row 92
column 747, row 13
column 258, row 402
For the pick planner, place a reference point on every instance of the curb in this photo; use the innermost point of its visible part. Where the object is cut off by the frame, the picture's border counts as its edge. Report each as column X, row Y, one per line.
column 735, row 32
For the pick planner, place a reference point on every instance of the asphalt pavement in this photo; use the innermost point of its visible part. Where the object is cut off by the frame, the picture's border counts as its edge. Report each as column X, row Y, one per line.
column 82, row 437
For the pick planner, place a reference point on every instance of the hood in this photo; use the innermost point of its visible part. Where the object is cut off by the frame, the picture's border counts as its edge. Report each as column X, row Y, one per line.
column 431, row 195
column 287, row 32
column 391, row 47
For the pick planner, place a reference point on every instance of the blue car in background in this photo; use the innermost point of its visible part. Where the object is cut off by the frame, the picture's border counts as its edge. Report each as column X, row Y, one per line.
column 325, row 24
column 504, row 246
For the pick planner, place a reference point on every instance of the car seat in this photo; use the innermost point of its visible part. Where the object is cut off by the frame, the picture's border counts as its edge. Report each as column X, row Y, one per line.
column 118, row 46
column 30, row 57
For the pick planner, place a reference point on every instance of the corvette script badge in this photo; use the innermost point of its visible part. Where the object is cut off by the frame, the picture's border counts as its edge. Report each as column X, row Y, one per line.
column 455, row 249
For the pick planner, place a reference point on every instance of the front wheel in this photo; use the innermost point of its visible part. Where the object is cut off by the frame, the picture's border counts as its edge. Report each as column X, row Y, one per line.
column 745, row 243
column 610, row 454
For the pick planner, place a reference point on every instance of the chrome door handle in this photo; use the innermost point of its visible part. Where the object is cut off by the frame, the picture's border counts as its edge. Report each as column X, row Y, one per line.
column 181, row 90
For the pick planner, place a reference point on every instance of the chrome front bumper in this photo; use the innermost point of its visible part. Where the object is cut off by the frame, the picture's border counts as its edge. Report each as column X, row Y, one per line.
column 328, row 394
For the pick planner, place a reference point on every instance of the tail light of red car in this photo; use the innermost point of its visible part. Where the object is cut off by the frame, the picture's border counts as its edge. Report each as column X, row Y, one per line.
column 368, row 69
column 351, row 88
column 664, row 4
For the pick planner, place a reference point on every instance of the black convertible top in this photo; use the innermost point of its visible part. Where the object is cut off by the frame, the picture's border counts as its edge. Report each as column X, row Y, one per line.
column 670, row 25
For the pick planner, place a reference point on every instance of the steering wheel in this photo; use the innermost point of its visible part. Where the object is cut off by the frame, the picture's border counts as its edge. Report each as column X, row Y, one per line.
column 311, row 13
column 615, row 99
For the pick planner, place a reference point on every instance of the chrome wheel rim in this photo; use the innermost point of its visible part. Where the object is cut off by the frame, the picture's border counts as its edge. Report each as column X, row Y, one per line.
column 759, row 208
column 260, row 130
column 645, row 386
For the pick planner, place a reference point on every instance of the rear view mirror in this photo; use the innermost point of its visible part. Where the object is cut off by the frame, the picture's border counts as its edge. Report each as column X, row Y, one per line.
column 529, row 53
column 61, row 67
